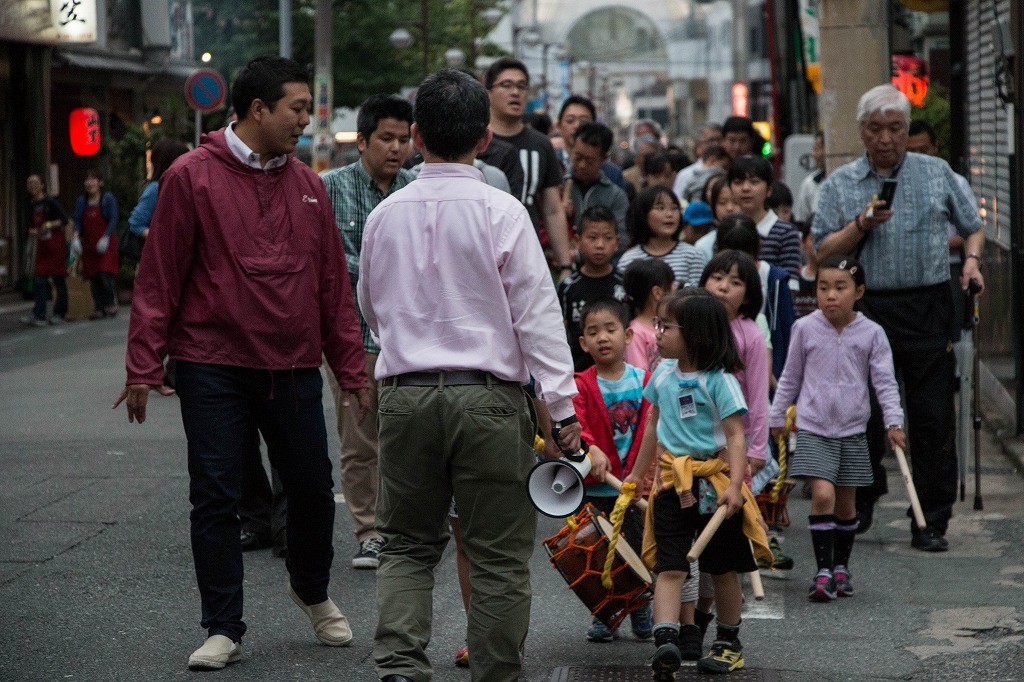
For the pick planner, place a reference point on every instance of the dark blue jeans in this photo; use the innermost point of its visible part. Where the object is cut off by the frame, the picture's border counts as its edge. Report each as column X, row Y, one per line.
column 221, row 407
column 42, row 289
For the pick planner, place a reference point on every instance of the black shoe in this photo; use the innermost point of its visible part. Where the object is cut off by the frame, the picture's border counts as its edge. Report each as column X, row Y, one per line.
column 666, row 662
column 368, row 555
column 928, row 540
column 865, row 515
column 724, row 657
column 396, row 678
column 280, row 548
column 252, row 541
column 691, row 642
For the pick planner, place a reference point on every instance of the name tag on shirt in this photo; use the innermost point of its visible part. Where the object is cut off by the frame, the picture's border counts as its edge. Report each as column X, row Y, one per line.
column 687, row 406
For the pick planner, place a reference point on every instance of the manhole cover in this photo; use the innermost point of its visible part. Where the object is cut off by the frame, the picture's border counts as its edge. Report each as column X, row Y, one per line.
column 640, row 673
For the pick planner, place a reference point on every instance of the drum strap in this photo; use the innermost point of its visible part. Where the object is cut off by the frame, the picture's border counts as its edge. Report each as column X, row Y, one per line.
column 617, row 518
column 780, row 480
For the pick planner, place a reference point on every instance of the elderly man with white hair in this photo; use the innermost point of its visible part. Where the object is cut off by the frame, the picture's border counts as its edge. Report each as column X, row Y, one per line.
column 903, row 249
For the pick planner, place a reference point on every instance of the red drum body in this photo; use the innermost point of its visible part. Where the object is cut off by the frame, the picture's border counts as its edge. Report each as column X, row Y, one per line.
column 578, row 552
column 775, row 513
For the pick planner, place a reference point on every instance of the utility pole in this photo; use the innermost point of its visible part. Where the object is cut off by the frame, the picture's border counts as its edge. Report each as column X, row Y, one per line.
column 284, row 12
column 740, row 41
column 323, row 87
column 425, row 35
column 1016, row 123
column 852, row 32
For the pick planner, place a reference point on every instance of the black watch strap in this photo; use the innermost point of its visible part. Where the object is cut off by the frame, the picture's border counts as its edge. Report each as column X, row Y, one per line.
column 568, row 421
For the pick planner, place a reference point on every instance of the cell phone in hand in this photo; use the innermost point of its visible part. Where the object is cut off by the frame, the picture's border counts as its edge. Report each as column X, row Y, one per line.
column 888, row 192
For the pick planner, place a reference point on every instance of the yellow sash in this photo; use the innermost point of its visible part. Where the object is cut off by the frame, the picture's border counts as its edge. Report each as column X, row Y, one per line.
column 678, row 473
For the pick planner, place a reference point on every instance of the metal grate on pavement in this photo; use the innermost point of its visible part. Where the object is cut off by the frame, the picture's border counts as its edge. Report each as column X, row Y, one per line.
column 640, row 673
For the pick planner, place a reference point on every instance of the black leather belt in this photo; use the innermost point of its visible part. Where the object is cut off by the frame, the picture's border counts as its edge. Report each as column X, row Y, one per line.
column 462, row 377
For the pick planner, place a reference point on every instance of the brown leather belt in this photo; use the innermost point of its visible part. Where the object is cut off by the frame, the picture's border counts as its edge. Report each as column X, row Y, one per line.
column 462, row 377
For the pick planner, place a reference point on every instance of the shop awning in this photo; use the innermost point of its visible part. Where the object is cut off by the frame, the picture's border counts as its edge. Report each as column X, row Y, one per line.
column 119, row 64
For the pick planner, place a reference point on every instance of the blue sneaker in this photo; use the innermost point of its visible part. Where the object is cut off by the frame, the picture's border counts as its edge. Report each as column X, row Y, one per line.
column 599, row 632
column 642, row 622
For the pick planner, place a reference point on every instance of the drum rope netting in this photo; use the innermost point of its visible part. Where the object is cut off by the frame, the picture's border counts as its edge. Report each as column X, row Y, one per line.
column 618, row 516
column 612, row 596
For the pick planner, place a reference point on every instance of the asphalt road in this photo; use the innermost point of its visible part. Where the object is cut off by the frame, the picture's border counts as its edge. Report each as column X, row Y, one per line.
column 96, row 578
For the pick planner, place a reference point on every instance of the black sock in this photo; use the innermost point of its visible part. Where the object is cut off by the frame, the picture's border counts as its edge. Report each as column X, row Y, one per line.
column 846, row 531
column 666, row 633
column 823, row 531
column 728, row 633
column 702, row 619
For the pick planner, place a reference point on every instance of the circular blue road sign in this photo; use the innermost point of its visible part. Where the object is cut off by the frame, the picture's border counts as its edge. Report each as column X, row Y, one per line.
column 205, row 90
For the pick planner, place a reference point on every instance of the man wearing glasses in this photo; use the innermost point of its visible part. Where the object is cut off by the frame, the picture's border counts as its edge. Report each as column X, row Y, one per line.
column 508, row 83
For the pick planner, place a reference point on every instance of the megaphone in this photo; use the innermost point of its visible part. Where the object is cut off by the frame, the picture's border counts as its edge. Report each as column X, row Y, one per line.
column 556, row 486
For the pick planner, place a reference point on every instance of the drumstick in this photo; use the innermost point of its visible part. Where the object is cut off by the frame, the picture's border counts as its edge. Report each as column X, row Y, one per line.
column 755, row 580
column 617, row 484
column 915, row 504
column 705, row 536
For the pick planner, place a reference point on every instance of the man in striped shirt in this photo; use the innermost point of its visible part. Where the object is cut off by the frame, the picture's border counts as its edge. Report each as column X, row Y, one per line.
column 355, row 190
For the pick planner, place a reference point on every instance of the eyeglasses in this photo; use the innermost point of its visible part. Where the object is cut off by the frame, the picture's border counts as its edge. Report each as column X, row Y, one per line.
column 513, row 85
column 661, row 326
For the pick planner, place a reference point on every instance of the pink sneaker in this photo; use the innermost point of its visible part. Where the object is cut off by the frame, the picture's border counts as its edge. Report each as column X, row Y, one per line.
column 823, row 588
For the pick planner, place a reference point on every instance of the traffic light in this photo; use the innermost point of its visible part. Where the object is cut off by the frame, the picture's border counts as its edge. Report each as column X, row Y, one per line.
column 764, row 129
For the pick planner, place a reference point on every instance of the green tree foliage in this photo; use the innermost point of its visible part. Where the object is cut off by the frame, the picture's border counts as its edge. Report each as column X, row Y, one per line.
column 365, row 61
column 935, row 112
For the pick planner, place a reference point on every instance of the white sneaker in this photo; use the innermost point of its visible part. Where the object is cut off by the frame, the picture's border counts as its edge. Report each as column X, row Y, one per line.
column 329, row 625
column 33, row 321
column 215, row 653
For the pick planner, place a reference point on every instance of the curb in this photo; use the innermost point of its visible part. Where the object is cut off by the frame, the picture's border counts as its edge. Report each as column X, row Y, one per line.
column 1013, row 448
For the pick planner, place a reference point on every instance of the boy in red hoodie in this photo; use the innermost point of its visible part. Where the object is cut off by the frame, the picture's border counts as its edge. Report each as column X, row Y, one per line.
column 612, row 412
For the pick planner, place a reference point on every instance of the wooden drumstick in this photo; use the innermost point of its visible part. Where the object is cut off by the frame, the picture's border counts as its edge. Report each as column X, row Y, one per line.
column 617, row 484
column 705, row 536
column 908, row 481
column 755, row 579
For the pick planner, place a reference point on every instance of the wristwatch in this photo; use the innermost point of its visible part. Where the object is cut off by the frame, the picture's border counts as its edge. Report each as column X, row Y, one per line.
column 975, row 257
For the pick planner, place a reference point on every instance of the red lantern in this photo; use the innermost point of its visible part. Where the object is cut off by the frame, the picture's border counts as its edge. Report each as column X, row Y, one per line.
column 84, row 130
column 910, row 76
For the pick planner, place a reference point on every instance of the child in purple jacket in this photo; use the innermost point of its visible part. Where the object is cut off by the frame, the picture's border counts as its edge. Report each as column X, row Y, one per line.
column 833, row 353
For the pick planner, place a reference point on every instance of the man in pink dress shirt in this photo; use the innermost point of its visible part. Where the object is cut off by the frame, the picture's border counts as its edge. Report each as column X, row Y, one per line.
column 454, row 285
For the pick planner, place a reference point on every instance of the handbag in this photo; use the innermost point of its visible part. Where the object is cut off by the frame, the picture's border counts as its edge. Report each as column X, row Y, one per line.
column 130, row 245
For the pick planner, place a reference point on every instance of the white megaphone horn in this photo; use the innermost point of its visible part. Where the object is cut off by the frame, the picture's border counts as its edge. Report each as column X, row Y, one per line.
column 556, row 486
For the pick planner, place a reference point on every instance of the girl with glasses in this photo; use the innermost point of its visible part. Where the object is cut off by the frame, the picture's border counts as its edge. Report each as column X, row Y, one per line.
column 696, row 429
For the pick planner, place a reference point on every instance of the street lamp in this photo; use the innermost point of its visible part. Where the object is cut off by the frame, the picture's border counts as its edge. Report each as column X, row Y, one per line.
column 454, row 57
column 401, row 38
column 527, row 35
column 491, row 16
column 557, row 50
